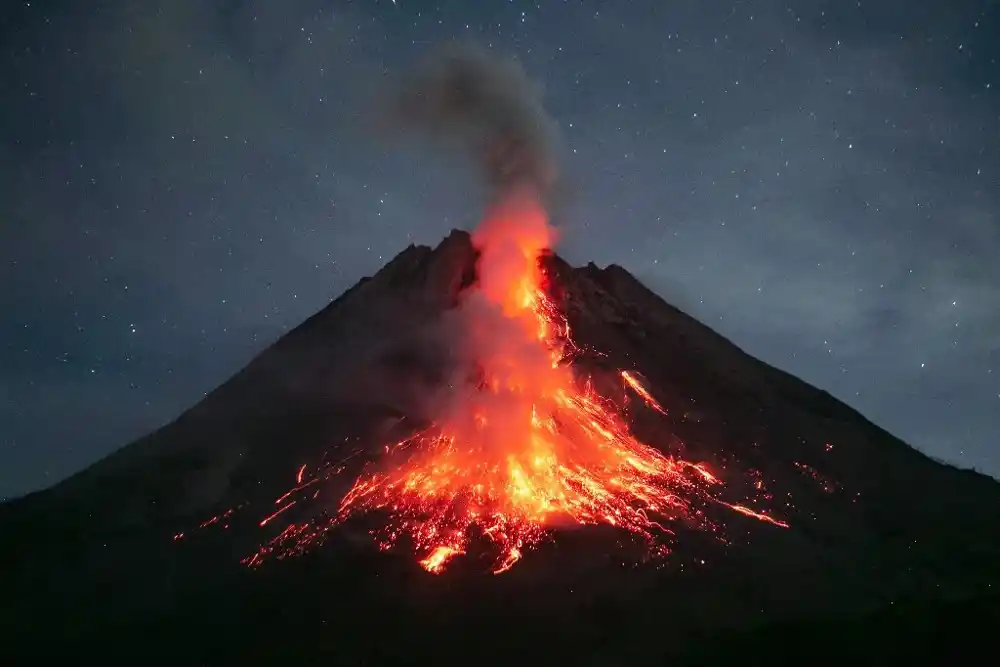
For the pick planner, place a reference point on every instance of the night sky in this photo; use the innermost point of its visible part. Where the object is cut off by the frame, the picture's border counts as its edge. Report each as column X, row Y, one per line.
column 183, row 181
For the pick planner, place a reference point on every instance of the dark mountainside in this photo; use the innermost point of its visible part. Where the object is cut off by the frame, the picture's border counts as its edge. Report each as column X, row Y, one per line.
column 889, row 553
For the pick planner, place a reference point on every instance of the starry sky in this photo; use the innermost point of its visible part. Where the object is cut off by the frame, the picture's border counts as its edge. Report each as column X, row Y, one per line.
column 183, row 181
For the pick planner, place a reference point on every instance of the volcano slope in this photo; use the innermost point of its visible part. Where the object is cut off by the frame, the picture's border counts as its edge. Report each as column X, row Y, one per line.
column 147, row 552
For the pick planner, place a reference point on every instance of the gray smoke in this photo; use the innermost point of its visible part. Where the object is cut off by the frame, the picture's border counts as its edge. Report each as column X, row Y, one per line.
column 489, row 107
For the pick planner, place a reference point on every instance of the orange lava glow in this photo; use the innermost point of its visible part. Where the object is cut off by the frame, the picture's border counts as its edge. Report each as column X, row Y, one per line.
column 520, row 447
column 529, row 446
column 636, row 386
column 436, row 561
column 746, row 511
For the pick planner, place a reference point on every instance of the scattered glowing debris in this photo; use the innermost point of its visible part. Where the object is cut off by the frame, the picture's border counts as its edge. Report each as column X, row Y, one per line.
column 271, row 517
column 438, row 558
column 742, row 509
column 828, row 485
column 643, row 393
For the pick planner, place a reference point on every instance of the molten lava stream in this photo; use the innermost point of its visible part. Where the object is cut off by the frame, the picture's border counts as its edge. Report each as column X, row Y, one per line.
column 528, row 446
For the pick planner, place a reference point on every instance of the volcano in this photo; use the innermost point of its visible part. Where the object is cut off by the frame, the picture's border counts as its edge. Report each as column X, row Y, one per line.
column 368, row 491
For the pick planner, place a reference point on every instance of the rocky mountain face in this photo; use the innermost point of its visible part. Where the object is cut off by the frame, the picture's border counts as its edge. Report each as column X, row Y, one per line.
column 94, row 563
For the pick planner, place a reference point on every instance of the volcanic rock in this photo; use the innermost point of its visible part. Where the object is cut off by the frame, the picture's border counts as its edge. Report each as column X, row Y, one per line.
column 109, row 562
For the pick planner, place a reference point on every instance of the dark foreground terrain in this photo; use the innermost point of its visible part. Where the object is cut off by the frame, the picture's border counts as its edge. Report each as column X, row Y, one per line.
column 889, row 555
column 319, row 613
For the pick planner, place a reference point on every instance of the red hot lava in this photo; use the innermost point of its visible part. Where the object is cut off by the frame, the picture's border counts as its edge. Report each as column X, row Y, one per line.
column 525, row 445
column 529, row 445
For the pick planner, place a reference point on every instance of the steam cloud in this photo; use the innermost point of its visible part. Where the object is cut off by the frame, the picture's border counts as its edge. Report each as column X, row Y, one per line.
column 464, row 95
column 490, row 108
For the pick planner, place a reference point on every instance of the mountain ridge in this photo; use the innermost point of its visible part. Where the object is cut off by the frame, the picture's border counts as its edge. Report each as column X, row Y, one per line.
column 416, row 254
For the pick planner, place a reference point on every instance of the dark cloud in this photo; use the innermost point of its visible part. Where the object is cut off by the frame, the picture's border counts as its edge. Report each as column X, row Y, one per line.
column 488, row 106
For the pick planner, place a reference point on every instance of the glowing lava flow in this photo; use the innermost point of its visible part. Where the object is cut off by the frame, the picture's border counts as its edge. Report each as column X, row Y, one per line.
column 526, row 446
column 520, row 447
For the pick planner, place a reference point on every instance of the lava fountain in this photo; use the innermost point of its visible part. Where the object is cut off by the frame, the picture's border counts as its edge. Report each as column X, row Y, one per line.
column 524, row 445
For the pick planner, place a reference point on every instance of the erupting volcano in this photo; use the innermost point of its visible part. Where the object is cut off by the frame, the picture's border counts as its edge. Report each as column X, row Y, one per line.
column 522, row 444
column 637, row 481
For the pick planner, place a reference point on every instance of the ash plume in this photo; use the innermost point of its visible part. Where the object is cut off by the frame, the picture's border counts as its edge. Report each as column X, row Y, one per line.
column 464, row 97
column 489, row 107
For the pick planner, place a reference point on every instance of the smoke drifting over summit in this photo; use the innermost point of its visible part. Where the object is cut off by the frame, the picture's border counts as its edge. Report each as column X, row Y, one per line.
column 489, row 107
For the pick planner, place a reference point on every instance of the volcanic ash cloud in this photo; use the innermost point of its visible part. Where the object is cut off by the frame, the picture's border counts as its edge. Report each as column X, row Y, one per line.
column 462, row 95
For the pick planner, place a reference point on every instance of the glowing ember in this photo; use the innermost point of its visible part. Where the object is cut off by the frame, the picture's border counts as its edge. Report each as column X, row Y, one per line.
column 644, row 394
column 757, row 515
column 439, row 557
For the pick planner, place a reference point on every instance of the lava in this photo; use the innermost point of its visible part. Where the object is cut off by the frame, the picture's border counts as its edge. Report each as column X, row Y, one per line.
column 746, row 511
column 436, row 561
column 633, row 383
column 266, row 520
column 522, row 445
column 529, row 446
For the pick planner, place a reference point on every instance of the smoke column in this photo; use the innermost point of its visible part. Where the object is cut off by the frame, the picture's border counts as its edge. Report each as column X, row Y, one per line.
column 489, row 107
